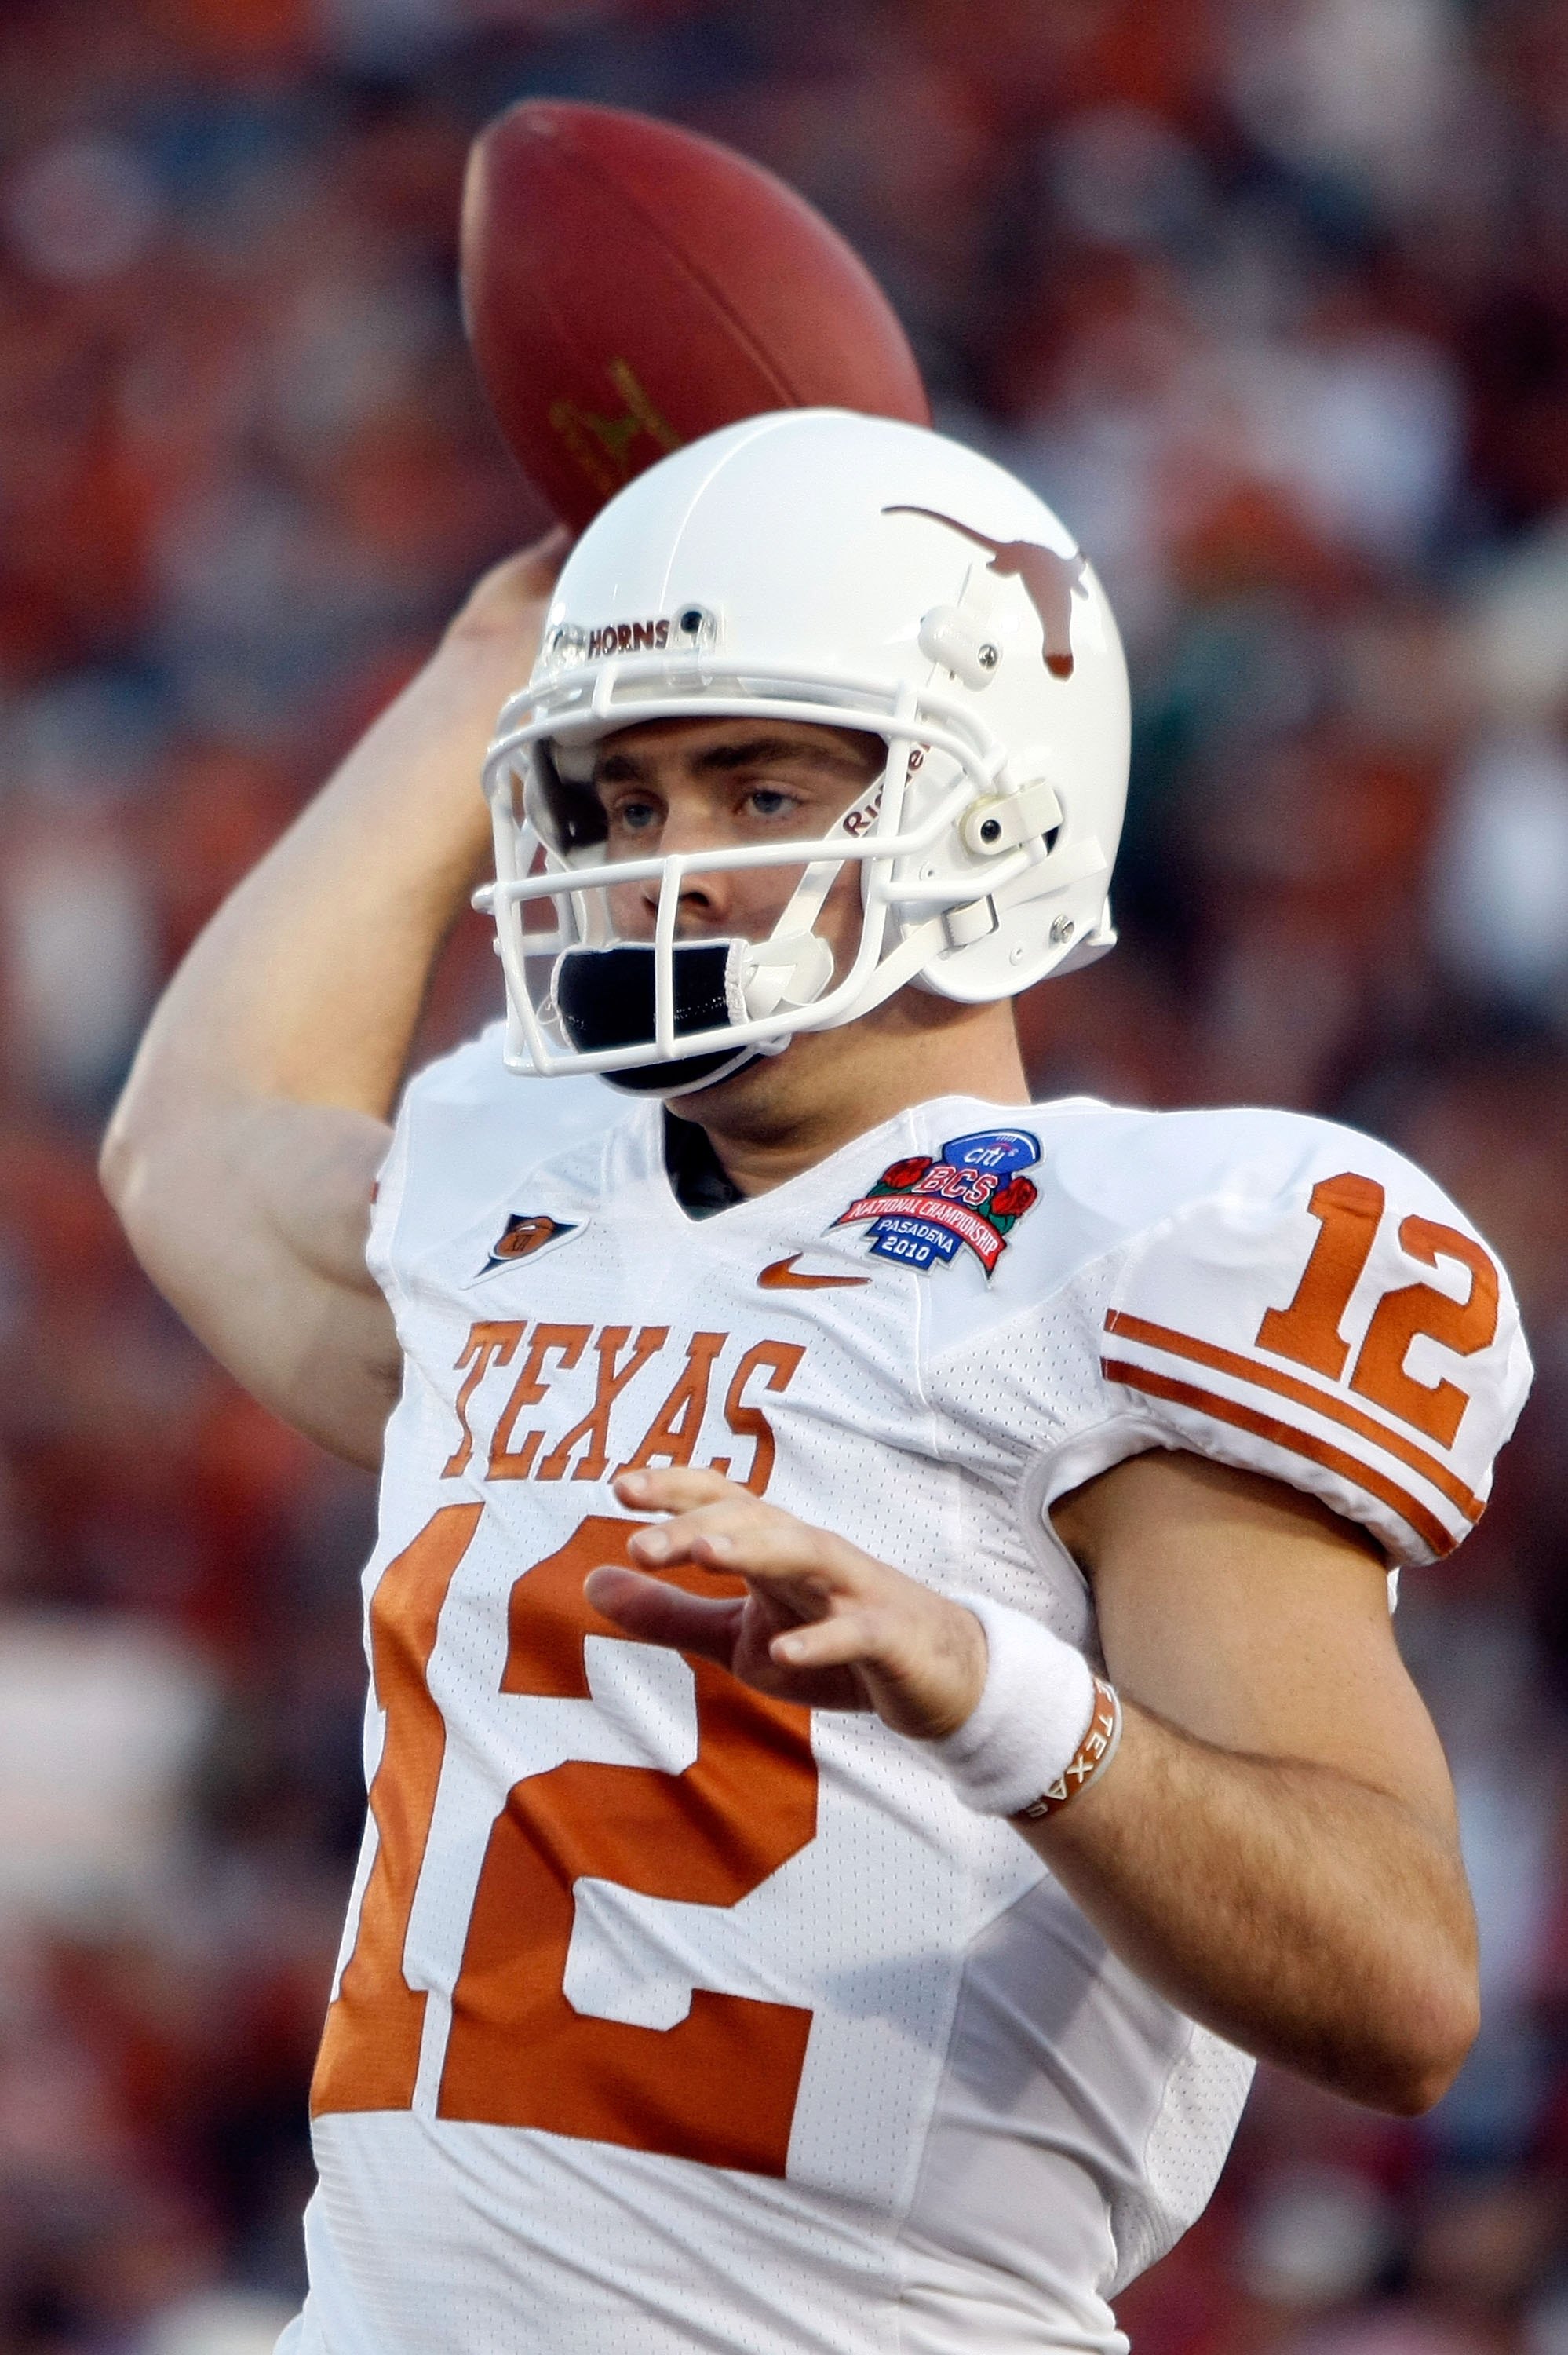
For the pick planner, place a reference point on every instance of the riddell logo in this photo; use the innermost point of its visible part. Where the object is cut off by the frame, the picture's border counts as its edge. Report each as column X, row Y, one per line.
column 1048, row 581
column 859, row 819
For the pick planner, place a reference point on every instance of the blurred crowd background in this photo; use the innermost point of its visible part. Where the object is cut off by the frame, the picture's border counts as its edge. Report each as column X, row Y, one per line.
column 1271, row 299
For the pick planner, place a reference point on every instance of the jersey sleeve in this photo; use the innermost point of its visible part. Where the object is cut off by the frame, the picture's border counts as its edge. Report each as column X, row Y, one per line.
column 1328, row 1318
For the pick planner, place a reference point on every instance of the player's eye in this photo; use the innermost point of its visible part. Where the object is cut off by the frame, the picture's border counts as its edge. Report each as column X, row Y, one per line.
column 771, row 801
column 635, row 815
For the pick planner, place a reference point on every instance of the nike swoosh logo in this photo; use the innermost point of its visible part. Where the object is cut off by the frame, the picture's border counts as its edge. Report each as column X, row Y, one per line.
column 779, row 1276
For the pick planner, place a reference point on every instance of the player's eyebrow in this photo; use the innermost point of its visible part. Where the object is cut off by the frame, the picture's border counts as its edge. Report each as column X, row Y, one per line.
column 757, row 748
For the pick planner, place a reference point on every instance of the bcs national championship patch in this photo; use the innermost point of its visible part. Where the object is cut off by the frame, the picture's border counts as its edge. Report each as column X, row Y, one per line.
column 972, row 1192
column 525, row 1233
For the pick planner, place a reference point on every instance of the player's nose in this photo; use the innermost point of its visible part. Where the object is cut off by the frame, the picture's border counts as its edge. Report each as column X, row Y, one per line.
column 706, row 895
column 705, row 903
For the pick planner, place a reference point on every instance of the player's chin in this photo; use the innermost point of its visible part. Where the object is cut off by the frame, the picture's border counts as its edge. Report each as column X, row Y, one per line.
column 754, row 1086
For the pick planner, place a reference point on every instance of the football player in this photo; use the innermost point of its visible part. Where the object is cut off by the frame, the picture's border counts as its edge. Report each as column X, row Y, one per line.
column 884, row 1697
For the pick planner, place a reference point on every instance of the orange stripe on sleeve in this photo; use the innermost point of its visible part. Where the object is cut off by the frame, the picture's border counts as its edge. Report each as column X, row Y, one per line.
column 1284, row 1434
column 1270, row 1378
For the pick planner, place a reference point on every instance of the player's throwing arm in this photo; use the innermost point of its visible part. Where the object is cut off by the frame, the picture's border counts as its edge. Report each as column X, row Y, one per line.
column 243, row 1152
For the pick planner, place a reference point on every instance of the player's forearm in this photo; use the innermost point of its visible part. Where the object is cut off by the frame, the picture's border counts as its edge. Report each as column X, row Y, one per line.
column 1312, row 1919
column 308, row 982
column 242, row 1154
column 278, row 1046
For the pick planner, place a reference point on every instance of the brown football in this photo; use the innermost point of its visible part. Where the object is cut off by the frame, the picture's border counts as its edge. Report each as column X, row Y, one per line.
column 628, row 287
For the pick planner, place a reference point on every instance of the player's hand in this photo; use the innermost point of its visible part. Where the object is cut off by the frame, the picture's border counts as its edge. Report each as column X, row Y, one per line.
column 820, row 1623
column 508, row 604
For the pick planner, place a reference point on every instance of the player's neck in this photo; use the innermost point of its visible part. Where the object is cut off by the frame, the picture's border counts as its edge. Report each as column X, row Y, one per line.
column 784, row 1114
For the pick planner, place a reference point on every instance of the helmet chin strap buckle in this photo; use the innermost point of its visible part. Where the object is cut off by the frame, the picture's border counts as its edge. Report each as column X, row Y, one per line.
column 792, row 971
column 976, row 922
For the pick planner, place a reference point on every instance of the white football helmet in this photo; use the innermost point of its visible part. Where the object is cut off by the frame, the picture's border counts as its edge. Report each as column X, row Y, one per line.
column 814, row 566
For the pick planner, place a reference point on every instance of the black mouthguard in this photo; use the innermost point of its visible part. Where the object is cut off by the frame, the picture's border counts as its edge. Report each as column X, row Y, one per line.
column 605, row 998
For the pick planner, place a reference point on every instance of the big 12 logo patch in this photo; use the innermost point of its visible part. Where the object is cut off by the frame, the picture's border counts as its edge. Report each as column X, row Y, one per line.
column 526, row 1234
column 973, row 1193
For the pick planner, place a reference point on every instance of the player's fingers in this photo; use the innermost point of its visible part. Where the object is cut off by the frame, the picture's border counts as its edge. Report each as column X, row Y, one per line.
column 759, row 1544
column 676, row 1491
column 656, row 1614
column 922, row 1676
column 845, row 1639
column 703, row 1532
column 528, row 571
column 504, row 598
column 539, row 566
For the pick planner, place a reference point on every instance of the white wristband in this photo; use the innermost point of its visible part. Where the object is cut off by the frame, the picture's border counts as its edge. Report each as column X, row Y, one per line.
column 1027, row 1727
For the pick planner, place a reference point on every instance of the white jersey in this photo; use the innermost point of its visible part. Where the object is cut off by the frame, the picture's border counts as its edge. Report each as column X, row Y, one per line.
column 673, row 2018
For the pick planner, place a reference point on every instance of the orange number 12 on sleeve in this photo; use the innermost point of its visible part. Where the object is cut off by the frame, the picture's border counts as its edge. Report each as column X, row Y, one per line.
column 1349, row 1209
